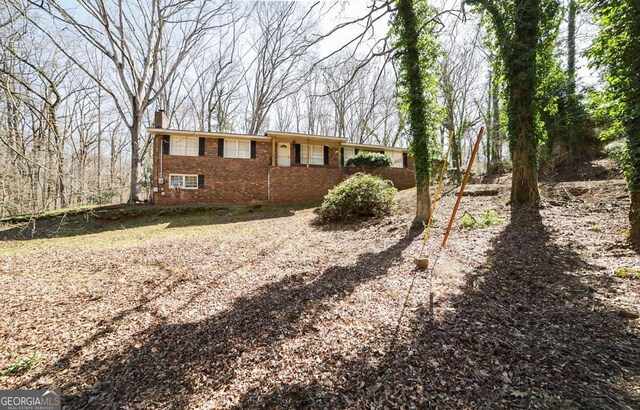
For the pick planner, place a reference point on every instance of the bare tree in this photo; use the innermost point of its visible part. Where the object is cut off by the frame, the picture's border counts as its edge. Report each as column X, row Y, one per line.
column 132, row 36
column 285, row 32
column 215, row 98
column 459, row 88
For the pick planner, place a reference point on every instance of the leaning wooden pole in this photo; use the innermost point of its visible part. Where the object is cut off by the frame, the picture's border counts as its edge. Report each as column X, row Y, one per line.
column 437, row 194
column 464, row 184
column 455, row 210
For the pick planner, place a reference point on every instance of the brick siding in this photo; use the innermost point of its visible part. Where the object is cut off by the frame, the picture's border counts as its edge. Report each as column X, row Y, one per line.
column 234, row 180
column 296, row 184
column 226, row 180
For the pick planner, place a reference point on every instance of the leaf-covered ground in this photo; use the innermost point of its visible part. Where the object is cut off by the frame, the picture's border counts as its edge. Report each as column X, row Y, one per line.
column 261, row 308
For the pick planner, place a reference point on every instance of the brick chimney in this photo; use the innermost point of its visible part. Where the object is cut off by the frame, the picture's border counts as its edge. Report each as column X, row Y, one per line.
column 160, row 120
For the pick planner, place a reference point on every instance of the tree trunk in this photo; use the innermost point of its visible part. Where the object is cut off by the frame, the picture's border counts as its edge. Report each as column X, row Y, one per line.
column 414, row 89
column 571, row 46
column 633, row 175
column 634, row 220
column 112, row 162
column 523, row 80
column 490, row 131
column 135, row 185
column 524, row 149
column 524, row 184
column 456, row 159
column 423, row 205
column 496, row 145
column 99, row 167
column 60, row 159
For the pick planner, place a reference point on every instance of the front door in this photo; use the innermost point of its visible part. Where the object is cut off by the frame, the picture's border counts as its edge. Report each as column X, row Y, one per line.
column 284, row 154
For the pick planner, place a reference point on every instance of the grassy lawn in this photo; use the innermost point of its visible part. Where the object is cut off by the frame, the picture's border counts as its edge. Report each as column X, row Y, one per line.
column 100, row 232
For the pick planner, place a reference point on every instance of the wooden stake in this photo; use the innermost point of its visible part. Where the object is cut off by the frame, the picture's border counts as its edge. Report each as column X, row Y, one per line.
column 437, row 194
column 431, row 304
column 464, row 183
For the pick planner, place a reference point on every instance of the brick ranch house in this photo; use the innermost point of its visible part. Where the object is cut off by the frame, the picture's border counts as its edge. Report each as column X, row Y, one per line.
column 192, row 167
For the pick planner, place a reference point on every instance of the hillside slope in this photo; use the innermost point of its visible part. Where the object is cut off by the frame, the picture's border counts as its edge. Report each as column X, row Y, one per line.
column 259, row 307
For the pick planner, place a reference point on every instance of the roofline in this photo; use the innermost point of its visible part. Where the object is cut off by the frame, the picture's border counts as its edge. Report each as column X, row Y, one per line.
column 312, row 136
column 267, row 137
column 348, row 144
column 186, row 133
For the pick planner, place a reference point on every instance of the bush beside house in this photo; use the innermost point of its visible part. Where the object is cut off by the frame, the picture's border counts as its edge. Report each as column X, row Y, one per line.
column 369, row 159
column 360, row 195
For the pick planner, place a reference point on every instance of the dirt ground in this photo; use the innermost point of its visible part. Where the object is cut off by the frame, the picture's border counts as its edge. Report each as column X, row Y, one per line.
column 262, row 308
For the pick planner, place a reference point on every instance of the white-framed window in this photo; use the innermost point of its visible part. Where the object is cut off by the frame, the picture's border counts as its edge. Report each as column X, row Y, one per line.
column 183, row 181
column 316, row 154
column 188, row 146
column 237, row 149
column 397, row 158
column 348, row 153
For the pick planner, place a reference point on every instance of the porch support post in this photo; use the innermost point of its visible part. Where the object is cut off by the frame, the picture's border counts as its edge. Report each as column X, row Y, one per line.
column 308, row 151
column 273, row 151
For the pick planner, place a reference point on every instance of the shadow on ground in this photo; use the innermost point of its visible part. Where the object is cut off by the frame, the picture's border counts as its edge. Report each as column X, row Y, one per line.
column 175, row 359
column 526, row 331
column 128, row 217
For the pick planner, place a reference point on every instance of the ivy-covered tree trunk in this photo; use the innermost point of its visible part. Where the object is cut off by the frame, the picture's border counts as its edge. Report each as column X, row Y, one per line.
column 521, row 30
column 522, row 83
column 414, row 95
column 634, row 219
column 617, row 50
column 632, row 161
column 523, row 143
column 496, row 133
column 571, row 46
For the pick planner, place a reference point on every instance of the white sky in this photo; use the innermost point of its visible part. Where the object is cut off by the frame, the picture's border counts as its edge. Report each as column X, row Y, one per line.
column 352, row 9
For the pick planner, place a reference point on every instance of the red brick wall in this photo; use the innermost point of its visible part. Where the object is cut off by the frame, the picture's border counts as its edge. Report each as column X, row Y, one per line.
column 296, row 184
column 226, row 180
column 402, row 178
column 231, row 180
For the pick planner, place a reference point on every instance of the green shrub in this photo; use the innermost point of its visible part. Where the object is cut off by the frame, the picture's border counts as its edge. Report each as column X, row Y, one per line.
column 624, row 272
column 361, row 195
column 490, row 218
column 615, row 149
column 23, row 365
column 103, row 197
column 369, row 159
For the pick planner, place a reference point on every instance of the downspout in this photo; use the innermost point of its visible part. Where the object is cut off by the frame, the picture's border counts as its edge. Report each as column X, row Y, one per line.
column 155, row 147
column 161, row 155
column 269, row 185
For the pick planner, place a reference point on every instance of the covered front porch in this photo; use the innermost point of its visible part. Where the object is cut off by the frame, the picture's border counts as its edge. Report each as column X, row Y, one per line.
column 303, row 150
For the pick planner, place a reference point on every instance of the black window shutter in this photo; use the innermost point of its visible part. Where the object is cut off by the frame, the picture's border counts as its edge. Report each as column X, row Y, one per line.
column 254, row 146
column 166, row 144
column 201, row 143
column 326, row 155
column 405, row 160
column 297, row 149
column 221, row 147
column 356, row 151
column 200, row 181
column 342, row 157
